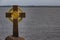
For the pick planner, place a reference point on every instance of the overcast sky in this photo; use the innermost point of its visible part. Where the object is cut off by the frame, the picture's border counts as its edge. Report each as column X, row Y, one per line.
column 31, row 2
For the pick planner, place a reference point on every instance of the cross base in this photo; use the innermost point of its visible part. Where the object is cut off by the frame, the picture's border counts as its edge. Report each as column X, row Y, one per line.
column 14, row 38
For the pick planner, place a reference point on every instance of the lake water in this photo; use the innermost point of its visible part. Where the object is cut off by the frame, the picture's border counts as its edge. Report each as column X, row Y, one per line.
column 41, row 23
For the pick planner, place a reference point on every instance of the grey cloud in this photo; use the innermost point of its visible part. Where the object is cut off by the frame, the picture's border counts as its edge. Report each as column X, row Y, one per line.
column 31, row 2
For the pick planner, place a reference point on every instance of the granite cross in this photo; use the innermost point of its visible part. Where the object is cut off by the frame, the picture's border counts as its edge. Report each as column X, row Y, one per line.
column 15, row 15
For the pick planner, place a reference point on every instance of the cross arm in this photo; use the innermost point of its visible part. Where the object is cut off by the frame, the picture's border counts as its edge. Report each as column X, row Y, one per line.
column 8, row 14
column 22, row 15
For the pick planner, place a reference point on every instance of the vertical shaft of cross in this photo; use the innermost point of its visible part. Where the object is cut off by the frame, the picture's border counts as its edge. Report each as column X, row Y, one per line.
column 15, row 27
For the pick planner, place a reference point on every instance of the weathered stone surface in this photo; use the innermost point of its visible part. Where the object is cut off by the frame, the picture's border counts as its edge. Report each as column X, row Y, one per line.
column 14, row 38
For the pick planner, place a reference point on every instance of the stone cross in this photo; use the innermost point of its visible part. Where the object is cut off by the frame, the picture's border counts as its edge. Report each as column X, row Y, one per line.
column 15, row 16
